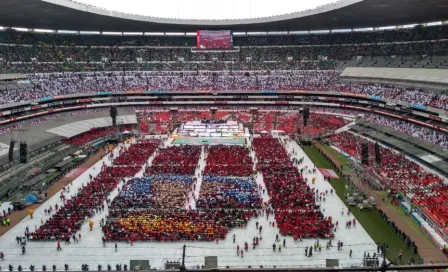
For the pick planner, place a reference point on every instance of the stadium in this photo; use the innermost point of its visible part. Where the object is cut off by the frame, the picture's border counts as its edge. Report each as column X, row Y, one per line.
column 237, row 135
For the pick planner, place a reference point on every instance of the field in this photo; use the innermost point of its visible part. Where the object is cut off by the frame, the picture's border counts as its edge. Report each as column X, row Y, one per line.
column 90, row 249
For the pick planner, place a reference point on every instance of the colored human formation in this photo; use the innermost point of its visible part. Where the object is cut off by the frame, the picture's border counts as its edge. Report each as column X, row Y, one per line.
column 91, row 198
column 159, row 206
column 175, row 161
column 229, row 193
column 293, row 203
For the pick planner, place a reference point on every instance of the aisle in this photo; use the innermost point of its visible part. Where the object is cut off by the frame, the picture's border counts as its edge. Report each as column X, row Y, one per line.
column 333, row 206
column 198, row 175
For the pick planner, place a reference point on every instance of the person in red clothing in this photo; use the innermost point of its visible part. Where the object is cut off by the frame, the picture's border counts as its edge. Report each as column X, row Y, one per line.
column 59, row 246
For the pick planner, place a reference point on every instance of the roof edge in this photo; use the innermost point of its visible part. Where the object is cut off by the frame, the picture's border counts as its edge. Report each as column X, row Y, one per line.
column 204, row 22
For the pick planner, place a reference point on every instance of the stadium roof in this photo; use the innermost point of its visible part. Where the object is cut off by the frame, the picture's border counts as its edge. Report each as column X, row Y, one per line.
column 346, row 14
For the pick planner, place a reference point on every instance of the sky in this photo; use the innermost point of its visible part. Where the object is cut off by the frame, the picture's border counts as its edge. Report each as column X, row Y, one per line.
column 207, row 9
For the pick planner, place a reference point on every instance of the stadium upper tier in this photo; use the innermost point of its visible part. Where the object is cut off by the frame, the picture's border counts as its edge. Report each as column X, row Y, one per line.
column 35, row 59
column 418, row 33
column 33, row 53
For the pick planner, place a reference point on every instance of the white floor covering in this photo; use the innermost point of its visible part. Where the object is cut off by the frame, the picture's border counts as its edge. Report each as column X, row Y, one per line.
column 91, row 251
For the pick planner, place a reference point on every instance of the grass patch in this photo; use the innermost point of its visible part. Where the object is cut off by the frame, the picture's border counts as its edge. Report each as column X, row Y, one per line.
column 341, row 158
column 407, row 218
column 378, row 230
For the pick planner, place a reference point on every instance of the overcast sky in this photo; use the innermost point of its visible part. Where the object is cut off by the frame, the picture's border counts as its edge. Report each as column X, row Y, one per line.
column 207, row 9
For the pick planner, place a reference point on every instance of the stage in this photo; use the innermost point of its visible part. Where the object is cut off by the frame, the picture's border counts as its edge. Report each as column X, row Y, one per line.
column 198, row 133
column 209, row 141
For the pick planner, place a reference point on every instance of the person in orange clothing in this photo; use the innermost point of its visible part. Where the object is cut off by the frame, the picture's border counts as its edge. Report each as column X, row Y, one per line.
column 31, row 212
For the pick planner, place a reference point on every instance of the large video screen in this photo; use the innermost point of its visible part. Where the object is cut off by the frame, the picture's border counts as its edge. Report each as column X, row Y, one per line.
column 214, row 39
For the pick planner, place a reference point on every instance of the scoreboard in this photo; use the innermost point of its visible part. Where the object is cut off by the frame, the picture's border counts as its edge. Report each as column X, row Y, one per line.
column 214, row 39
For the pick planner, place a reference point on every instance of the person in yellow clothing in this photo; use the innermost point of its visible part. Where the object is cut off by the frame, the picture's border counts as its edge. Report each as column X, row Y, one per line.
column 313, row 180
column 31, row 212
column 91, row 225
column 279, row 247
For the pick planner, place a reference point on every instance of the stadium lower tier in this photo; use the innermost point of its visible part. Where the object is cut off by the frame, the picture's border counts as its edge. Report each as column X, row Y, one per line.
column 424, row 188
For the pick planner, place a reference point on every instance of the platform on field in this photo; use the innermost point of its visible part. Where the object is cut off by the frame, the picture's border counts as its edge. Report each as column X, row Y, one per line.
column 209, row 140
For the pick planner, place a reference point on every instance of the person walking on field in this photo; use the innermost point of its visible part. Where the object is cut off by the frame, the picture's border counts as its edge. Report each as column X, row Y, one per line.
column 59, row 246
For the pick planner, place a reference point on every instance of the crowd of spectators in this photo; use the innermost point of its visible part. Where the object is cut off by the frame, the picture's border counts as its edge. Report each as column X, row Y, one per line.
column 89, row 199
column 47, row 85
column 73, row 58
column 9, row 128
column 417, row 33
column 424, row 133
column 153, row 121
column 349, row 143
column 87, row 82
column 92, row 135
column 424, row 188
column 289, row 120
column 42, row 119
column 296, row 211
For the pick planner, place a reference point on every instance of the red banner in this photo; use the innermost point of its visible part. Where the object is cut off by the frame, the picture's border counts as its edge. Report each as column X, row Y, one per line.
column 328, row 173
column 436, row 118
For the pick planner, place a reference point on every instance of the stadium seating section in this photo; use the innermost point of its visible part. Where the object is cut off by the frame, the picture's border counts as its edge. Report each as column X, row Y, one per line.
column 425, row 189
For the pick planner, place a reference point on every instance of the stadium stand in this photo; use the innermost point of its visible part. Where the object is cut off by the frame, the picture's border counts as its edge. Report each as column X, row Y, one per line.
column 47, row 85
column 428, row 153
column 425, row 189
column 361, row 86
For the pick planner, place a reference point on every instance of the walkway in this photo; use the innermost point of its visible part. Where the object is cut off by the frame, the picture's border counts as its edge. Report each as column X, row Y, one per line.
column 18, row 216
